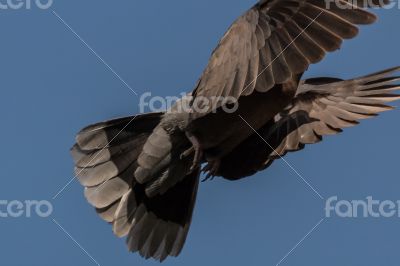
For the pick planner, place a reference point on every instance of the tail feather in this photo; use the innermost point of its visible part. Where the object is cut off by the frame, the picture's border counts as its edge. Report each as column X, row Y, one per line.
column 108, row 213
column 110, row 191
column 160, row 165
column 155, row 213
column 154, row 158
column 105, row 150
column 84, row 159
column 154, row 237
column 98, row 136
column 94, row 176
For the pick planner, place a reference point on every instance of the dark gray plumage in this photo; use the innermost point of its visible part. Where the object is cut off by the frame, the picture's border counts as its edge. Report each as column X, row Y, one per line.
column 141, row 173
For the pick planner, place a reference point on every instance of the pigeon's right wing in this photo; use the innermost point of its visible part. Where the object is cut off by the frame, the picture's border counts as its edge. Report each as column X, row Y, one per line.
column 330, row 105
column 273, row 42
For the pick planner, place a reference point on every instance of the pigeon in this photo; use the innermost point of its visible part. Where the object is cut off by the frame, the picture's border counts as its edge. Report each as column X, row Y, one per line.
column 249, row 107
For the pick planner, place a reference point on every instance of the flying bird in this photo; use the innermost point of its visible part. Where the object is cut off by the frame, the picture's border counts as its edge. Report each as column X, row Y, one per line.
column 141, row 173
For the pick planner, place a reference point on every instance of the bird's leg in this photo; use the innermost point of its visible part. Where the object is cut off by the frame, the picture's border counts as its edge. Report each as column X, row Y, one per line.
column 196, row 148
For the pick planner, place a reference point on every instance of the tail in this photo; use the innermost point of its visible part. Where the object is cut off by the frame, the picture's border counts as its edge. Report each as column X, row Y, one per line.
column 155, row 213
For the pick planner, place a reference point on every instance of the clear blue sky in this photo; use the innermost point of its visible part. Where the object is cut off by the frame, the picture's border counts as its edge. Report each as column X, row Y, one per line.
column 52, row 85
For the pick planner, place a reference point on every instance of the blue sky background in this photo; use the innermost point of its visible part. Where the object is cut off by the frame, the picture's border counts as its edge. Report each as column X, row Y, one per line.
column 52, row 85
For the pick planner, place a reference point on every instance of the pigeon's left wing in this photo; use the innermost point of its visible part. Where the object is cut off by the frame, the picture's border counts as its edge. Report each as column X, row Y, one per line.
column 330, row 105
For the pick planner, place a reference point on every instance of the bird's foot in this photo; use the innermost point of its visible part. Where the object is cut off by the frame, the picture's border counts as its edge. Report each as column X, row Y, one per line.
column 211, row 169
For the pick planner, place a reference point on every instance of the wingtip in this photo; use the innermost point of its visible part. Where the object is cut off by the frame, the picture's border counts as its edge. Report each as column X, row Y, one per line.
column 393, row 69
column 372, row 18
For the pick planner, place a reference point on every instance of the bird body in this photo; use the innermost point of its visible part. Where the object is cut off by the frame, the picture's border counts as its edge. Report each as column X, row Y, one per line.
column 141, row 173
column 218, row 133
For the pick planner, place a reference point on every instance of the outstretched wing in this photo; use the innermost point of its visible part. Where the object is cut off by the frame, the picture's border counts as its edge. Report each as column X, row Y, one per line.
column 330, row 105
column 338, row 105
column 271, row 43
